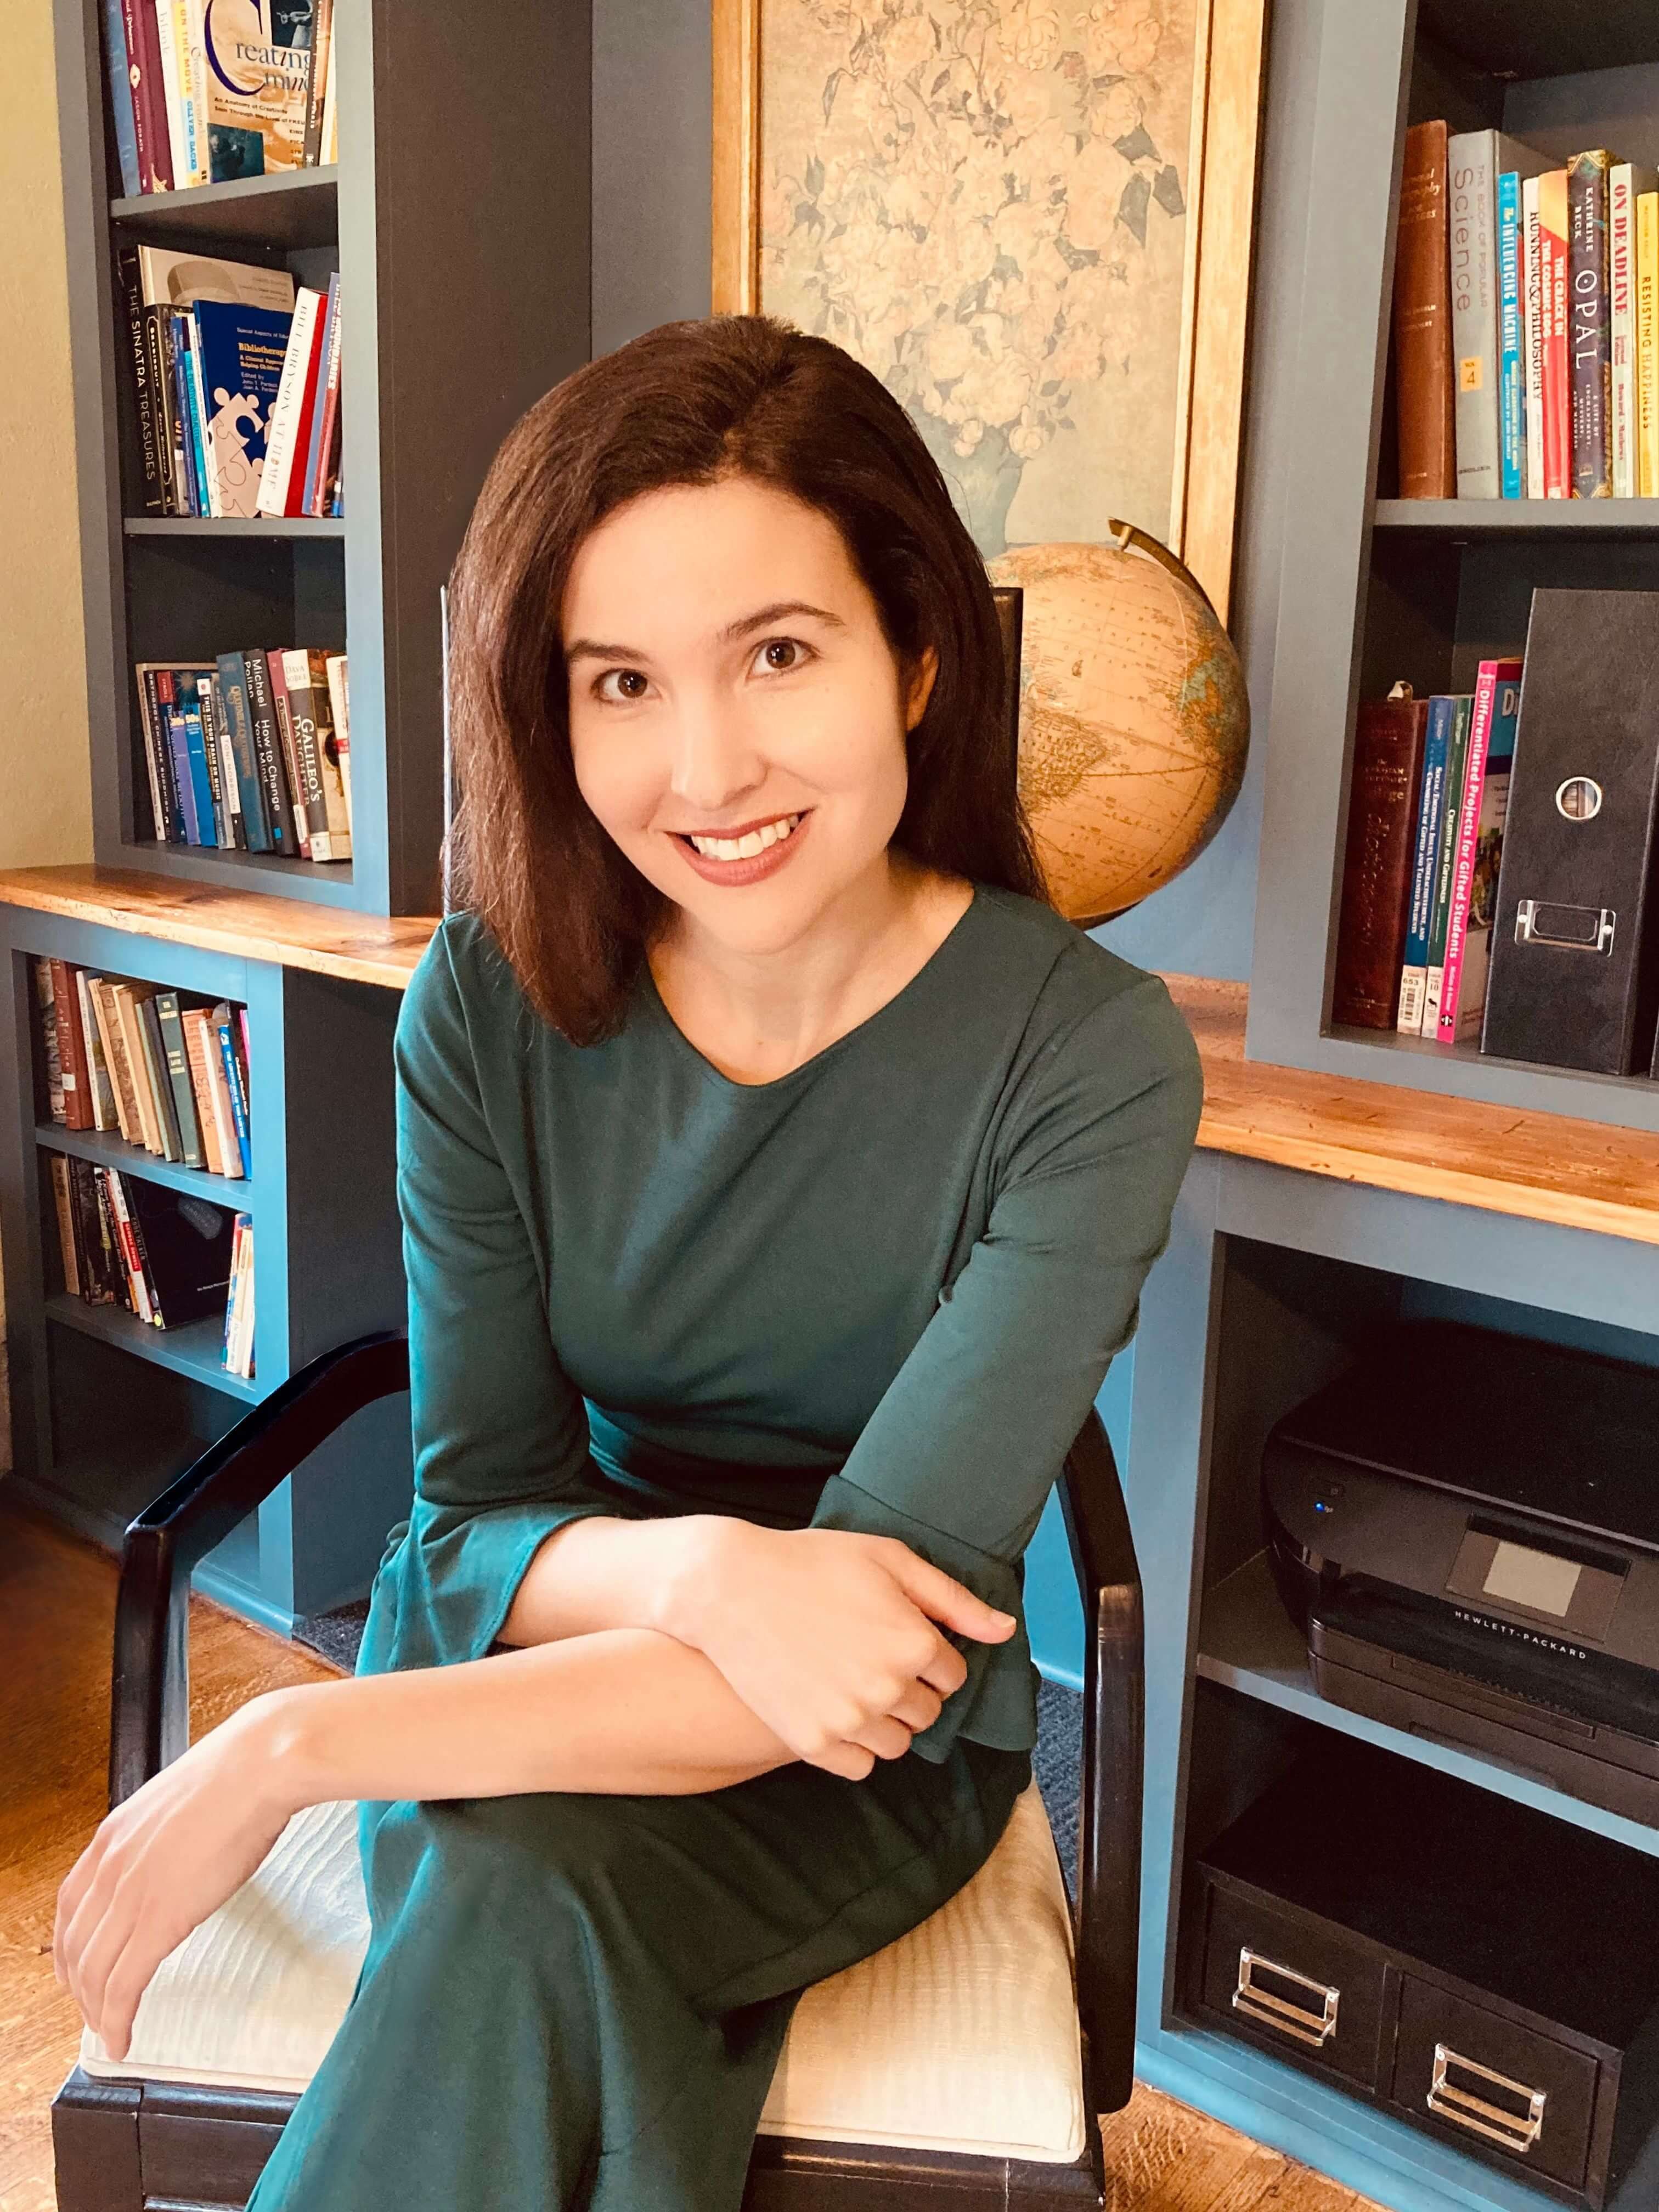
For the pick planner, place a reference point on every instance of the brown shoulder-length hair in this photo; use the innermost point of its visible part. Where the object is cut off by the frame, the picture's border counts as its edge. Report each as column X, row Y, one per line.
column 691, row 402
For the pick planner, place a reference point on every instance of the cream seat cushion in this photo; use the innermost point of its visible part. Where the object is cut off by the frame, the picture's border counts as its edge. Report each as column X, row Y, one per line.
column 961, row 2035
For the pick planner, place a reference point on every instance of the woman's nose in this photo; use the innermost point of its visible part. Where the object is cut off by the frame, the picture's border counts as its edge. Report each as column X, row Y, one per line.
column 715, row 759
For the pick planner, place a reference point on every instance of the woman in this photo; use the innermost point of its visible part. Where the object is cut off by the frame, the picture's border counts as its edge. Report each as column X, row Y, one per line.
column 778, row 1175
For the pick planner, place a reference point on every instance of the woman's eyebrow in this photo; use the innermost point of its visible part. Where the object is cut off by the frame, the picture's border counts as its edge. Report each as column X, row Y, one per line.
column 588, row 649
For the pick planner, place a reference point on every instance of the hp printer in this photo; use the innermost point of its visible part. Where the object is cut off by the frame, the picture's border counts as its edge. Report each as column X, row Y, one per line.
column 1465, row 1525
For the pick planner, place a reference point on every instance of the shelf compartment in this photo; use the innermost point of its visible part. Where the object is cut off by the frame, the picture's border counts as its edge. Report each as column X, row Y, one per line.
column 190, row 1349
column 1248, row 1642
column 290, row 208
column 1519, row 517
column 108, row 1148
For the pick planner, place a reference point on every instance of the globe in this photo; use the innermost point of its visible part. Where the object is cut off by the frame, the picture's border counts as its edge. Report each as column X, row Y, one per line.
column 1133, row 719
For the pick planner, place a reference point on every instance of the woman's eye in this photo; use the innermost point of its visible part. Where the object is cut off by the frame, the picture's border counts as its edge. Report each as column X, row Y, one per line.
column 793, row 646
column 623, row 675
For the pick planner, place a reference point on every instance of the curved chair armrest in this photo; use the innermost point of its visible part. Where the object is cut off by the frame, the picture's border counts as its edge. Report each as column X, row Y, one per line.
column 149, row 1696
column 1108, row 1918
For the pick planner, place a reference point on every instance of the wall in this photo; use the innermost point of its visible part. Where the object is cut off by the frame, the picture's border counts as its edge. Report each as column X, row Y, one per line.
column 45, row 786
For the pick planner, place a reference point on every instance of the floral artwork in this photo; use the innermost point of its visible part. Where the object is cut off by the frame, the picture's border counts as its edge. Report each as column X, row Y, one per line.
column 986, row 202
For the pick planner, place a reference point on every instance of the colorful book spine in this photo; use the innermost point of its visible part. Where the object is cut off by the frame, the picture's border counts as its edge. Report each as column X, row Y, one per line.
column 223, row 1031
column 1626, row 181
column 1494, row 680
column 1588, row 337
column 150, row 105
column 1426, row 859
column 186, row 688
column 183, row 441
column 1458, row 754
column 1647, row 345
column 1555, row 378
column 173, row 722
column 233, row 699
column 1511, row 346
column 1531, row 318
column 314, row 439
column 184, row 1098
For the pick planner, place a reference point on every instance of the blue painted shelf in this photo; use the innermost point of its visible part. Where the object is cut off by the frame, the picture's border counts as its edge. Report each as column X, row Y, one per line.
column 109, row 1149
column 191, row 1348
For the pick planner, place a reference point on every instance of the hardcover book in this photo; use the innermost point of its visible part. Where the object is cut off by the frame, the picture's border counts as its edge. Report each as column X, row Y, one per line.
column 241, row 358
column 1387, row 765
column 1480, row 843
column 1425, row 861
column 1589, row 341
column 1457, row 758
column 1422, row 321
column 258, row 89
column 1556, row 375
column 1475, row 159
column 1626, row 182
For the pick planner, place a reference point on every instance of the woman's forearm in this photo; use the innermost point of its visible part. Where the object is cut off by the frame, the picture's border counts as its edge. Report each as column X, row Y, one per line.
column 605, row 1571
column 618, row 1711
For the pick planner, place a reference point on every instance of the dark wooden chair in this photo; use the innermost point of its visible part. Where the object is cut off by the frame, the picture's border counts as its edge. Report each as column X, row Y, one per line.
column 144, row 2144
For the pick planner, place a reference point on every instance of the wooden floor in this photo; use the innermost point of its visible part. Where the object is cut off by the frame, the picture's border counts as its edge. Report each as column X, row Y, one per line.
column 57, row 1604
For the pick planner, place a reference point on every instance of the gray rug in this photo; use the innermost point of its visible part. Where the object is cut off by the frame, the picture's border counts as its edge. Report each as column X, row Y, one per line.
column 1056, row 1762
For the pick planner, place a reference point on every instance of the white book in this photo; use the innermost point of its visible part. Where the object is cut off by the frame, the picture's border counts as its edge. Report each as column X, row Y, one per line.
column 1474, row 162
column 198, row 405
column 282, row 439
column 242, row 1320
column 329, row 150
column 1626, row 180
column 194, row 64
column 1532, row 323
column 167, row 38
column 340, row 700
column 192, row 115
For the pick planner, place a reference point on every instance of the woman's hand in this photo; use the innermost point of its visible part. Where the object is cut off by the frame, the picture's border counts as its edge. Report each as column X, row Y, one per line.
column 829, row 1635
column 159, row 1864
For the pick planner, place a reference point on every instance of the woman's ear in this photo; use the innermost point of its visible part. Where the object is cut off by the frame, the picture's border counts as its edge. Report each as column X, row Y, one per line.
column 920, row 688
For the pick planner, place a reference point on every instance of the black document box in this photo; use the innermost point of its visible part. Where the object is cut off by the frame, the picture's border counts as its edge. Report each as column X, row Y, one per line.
column 1474, row 1966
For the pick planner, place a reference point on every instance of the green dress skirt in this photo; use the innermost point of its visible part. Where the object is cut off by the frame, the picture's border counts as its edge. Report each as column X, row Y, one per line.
column 880, row 1293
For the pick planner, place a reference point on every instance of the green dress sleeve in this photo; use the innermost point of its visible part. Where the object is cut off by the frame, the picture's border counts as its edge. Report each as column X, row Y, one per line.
column 500, row 1432
column 959, row 1457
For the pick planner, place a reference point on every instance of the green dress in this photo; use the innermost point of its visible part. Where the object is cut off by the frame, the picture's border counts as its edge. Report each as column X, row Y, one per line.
column 879, row 1293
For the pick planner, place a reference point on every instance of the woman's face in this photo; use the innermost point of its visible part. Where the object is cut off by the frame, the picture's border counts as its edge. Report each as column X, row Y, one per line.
column 738, row 719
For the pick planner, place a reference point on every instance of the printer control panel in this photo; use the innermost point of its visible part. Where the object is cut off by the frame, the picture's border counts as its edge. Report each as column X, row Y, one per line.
column 1568, row 1586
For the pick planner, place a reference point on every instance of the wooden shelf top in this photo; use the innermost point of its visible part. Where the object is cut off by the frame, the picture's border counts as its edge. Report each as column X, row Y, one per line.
column 366, row 948
column 1545, row 1167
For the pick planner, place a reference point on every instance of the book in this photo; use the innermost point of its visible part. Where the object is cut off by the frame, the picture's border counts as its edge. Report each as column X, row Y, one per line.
column 1647, row 346
column 122, row 119
column 1512, row 343
column 115, row 1052
column 168, row 1013
column 1387, row 765
column 290, row 412
column 155, row 1070
column 1457, row 756
column 1422, row 321
column 1626, row 182
column 150, row 107
column 242, row 349
column 1532, row 323
column 267, row 751
column 63, row 1199
column 173, row 101
column 142, row 461
column 193, row 1021
column 322, row 69
column 1475, row 159
column 328, row 354
column 1556, row 393
column 74, row 1082
column 275, row 658
column 1425, row 856
column 104, row 1115
column 47, row 1010
column 339, row 757
column 1491, row 745
column 137, row 1291
column 167, row 280
column 257, row 95
column 325, row 495
column 233, row 701
column 125, row 996
column 224, row 1032
column 185, row 1243
column 1588, row 338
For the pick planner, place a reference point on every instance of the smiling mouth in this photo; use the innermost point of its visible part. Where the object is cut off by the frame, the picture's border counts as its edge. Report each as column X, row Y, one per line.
column 745, row 844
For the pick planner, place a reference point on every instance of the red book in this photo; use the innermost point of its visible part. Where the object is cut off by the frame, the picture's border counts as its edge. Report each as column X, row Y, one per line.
column 1557, row 368
column 149, row 98
column 1489, row 677
column 72, row 1060
column 294, row 503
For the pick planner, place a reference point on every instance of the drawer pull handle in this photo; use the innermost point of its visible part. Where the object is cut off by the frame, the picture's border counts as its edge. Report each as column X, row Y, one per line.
column 1465, row 2110
column 1274, row 2011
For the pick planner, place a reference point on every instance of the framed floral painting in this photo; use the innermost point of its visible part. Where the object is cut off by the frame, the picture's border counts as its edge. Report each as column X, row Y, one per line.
column 1032, row 220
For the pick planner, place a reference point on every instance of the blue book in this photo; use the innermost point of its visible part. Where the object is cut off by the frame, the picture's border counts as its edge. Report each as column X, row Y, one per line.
column 240, row 351
column 183, row 411
column 167, row 693
column 120, row 97
column 197, row 420
column 238, row 1102
column 185, row 681
column 1426, row 862
column 1511, row 365
column 238, row 725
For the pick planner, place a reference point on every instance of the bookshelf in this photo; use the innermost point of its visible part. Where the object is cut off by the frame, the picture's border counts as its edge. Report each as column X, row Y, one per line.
column 458, row 216
column 1375, row 588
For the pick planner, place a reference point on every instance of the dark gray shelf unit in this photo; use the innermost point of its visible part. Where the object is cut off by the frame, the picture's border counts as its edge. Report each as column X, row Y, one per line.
column 1373, row 587
column 459, row 218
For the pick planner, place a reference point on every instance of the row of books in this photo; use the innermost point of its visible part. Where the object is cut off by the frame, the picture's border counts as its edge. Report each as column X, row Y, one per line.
column 251, row 750
column 168, row 1257
column 1526, row 321
column 232, row 387
column 1498, row 881
column 1457, row 814
column 128, row 1057
column 202, row 91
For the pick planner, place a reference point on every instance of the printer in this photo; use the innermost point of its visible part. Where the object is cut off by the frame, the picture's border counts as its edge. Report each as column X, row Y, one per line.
column 1465, row 1525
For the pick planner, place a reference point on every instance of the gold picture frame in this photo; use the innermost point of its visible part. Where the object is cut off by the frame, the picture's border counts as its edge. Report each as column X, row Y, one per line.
column 1229, row 39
